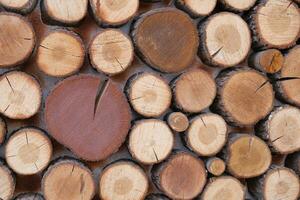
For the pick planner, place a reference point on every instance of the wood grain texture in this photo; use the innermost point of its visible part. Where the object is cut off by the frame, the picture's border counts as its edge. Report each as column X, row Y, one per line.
column 7, row 182
column 19, row 6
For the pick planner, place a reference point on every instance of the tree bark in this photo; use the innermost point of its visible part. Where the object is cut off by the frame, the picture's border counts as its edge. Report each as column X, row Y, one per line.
column 293, row 162
column 60, row 59
column 7, row 182
column 156, row 197
column 194, row 91
column 150, row 141
column 19, row 6
column 111, row 52
column 123, row 180
column 21, row 95
column 166, row 39
column 29, row 196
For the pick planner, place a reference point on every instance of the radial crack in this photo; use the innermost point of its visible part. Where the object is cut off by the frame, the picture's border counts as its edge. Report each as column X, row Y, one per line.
column 101, row 88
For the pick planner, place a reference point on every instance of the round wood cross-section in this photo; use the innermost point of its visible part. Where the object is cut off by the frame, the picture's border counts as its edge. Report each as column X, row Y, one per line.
column 289, row 90
column 17, row 39
column 225, row 188
column 247, row 156
column 7, row 183
column 19, row 6
column 60, row 53
column 178, row 121
column 149, row 94
column 20, row 96
column 28, row 151
column 196, row 8
column 226, row 40
column 194, row 91
column 238, row 5
column 123, row 180
column 207, row 134
column 64, row 12
column 68, row 179
column 3, row 130
column 106, row 112
column 182, row 176
column 244, row 96
column 276, row 23
column 29, row 196
column 215, row 166
column 111, row 52
column 150, row 141
column 114, row 12
column 166, row 39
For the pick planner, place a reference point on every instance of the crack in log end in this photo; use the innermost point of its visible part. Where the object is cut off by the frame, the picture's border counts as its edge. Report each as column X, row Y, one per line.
column 82, row 184
column 277, row 139
column 216, row 53
column 156, row 157
column 101, row 88
column 261, row 86
column 286, row 79
column 203, row 121
column 9, row 83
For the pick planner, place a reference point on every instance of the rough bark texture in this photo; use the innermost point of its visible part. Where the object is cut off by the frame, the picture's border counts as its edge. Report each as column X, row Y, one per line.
column 3, row 130
column 29, row 196
column 293, row 162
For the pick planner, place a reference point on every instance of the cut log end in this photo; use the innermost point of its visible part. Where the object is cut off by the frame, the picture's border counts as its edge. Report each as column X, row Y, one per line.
column 114, row 12
column 111, row 52
column 194, row 91
column 226, row 40
column 166, row 39
column 101, row 102
column 244, row 96
column 7, row 182
column 29, row 196
column 150, row 141
column 19, row 6
column 207, row 134
column 64, row 12
column 182, row 176
column 288, row 90
column 149, row 94
column 276, row 24
column 178, row 121
column 123, row 180
column 28, row 151
column 3, row 130
column 20, row 95
column 237, row 5
column 225, row 188
column 17, row 40
column 247, row 156
column 216, row 166
column 268, row 61
column 277, row 183
column 68, row 179
column 61, row 53
column 196, row 8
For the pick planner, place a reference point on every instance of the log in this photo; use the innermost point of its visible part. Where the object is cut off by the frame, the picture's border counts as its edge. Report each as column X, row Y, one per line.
column 156, row 197
column 225, row 188
column 68, row 179
column 275, row 24
column 150, row 141
column 281, row 129
column 113, row 13
column 29, row 196
column 7, row 182
column 149, row 94
column 288, row 89
column 226, row 40
column 194, row 91
column 207, row 134
column 268, row 61
column 182, row 176
column 178, row 121
column 65, row 13
column 17, row 40
column 3, row 130
column 293, row 162
column 28, row 151
column 20, row 96
column 166, row 39
column 19, row 6
column 277, row 183
column 123, row 180
column 244, row 96
column 196, row 8
column 111, row 52
column 216, row 166
column 237, row 5
column 61, row 53
column 246, row 156
column 93, row 137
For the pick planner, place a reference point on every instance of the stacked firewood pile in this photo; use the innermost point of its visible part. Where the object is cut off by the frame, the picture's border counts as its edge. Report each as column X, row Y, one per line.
column 155, row 100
